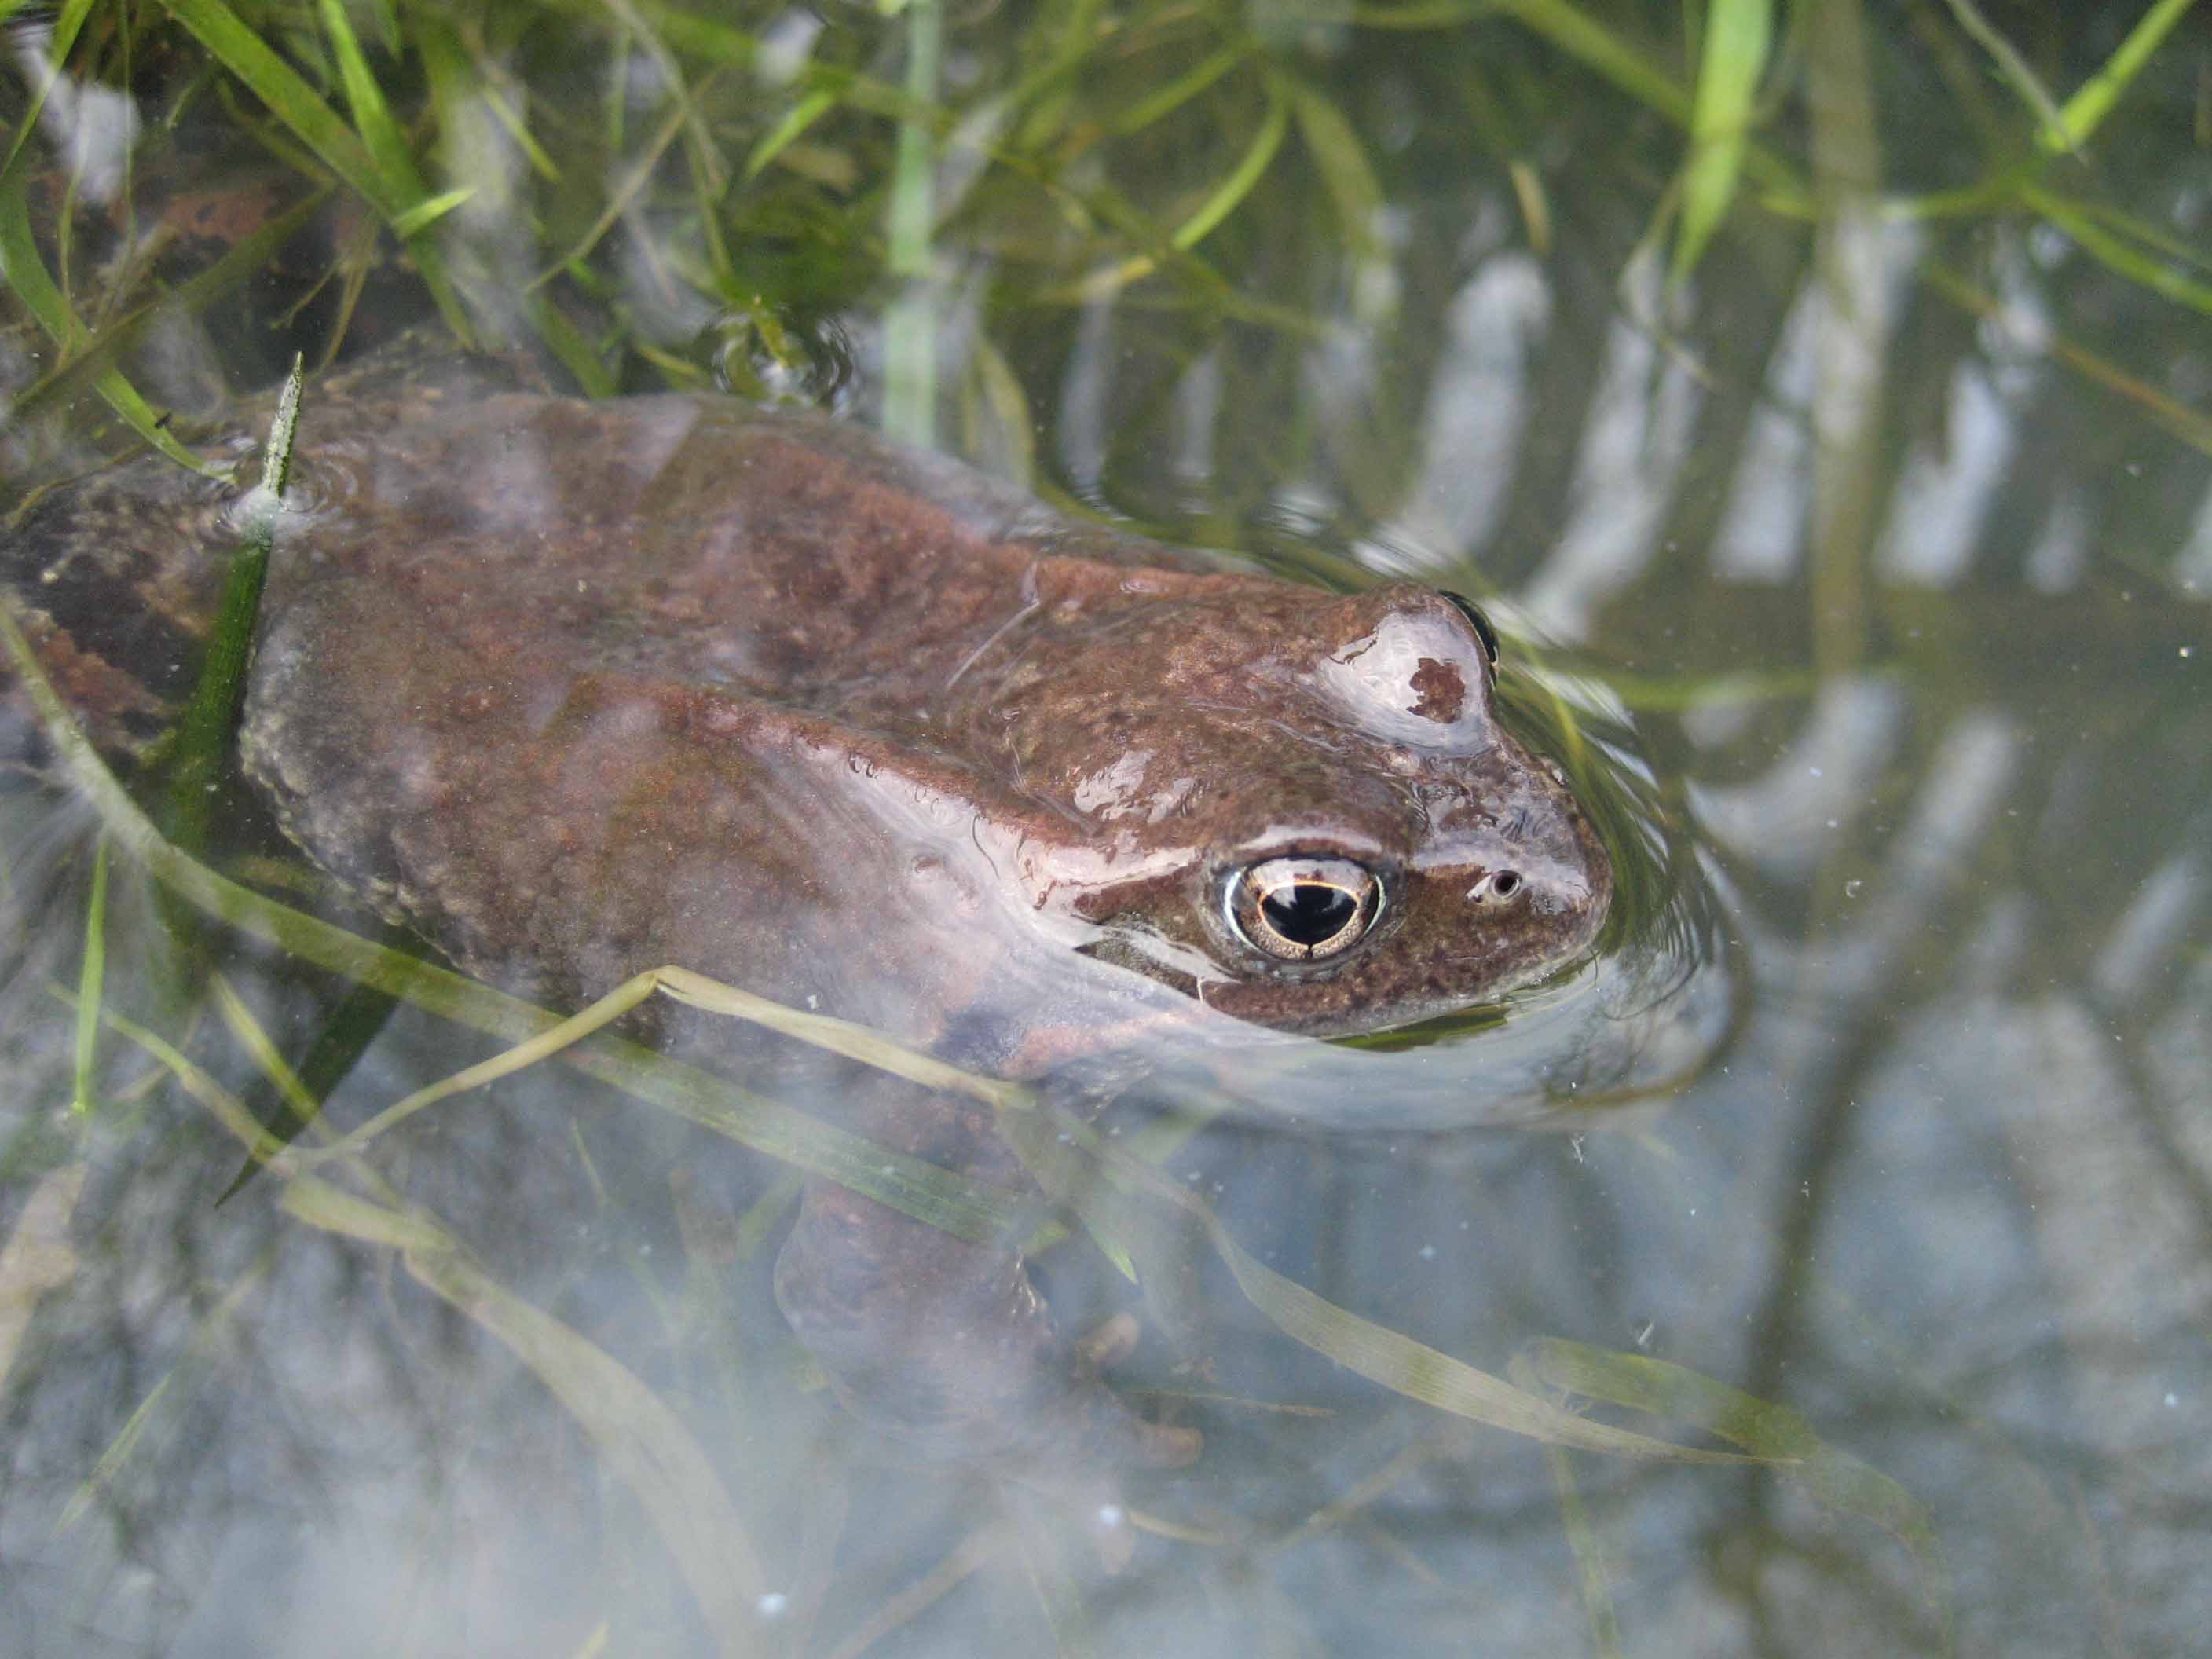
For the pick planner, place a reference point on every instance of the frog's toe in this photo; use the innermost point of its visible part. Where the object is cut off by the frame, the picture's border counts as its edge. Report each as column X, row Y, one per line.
column 1168, row 1447
column 945, row 1347
column 1113, row 1341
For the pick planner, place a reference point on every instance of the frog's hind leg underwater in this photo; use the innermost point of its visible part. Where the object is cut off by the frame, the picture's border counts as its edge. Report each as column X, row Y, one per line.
column 941, row 1343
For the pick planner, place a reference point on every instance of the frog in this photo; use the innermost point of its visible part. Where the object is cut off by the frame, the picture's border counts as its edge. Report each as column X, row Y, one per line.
column 575, row 688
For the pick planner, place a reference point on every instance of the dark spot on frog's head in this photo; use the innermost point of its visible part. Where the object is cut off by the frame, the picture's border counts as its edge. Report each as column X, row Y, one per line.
column 1438, row 690
column 1408, row 664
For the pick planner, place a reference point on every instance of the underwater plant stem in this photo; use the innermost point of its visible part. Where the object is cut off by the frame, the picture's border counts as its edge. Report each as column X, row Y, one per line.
column 910, row 324
column 204, row 736
column 2086, row 109
column 90, row 980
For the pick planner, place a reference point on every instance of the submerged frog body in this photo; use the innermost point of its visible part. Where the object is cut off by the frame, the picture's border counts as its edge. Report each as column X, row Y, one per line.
column 578, row 688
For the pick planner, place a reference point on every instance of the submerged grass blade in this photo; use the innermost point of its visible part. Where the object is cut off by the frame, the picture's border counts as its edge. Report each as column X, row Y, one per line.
column 155, row 1416
column 640, row 1439
column 36, row 1256
column 203, row 734
column 1837, row 1479
column 642, row 1442
column 380, row 169
column 1050, row 1146
column 1248, row 172
column 241, row 51
column 427, row 212
column 372, row 116
column 1592, row 1572
column 1180, row 91
column 1334, row 145
column 250, row 1035
column 910, row 324
column 249, row 256
column 1737, row 34
column 226, row 1108
column 2013, row 67
column 2115, row 255
column 696, row 990
column 796, row 120
column 66, row 27
column 1043, row 1555
column 2085, row 111
column 2188, row 424
column 91, row 978
column 26, row 276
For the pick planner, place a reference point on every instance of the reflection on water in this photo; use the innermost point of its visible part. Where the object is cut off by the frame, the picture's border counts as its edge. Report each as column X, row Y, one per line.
column 1893, row 546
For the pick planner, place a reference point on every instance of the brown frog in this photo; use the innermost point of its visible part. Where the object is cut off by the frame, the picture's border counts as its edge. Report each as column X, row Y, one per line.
column 577, row 689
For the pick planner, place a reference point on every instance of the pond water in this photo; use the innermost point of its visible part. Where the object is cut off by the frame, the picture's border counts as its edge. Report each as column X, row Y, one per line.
column 1857, row 573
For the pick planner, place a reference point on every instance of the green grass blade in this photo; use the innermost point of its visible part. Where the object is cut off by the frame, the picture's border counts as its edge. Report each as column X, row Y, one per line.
column 427, row 212
column 1248, row 171
column 58, row 50
column 1353, row 189
column 157, row 1416
column 2117, row 255
column 26, row 276
column 642, row 1442
column 394, row 194
column 204, row 733
column 1137, row 1203
column 1737, row 35
column 245, row 259
column 387, row 147
column 1593, row 1573
column 1181, row 90
column 796, row 119
column 1837, row 1480
column 2012, row 67
column 910, row 324
column 90, row 981
column 252, row 1036
column 372, row 116
column 2085, row 111
column 292, row 100
column 2188, row 424
column 1043, row 1554
column 1585, row 38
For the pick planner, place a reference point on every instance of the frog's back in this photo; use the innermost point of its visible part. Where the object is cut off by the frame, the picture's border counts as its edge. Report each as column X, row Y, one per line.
column 780, row 552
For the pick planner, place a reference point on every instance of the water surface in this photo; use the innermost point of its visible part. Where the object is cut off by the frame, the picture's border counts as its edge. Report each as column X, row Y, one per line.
column 1880, row 545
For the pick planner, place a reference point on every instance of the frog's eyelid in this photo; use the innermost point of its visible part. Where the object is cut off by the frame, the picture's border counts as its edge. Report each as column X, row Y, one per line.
column 1483, row 630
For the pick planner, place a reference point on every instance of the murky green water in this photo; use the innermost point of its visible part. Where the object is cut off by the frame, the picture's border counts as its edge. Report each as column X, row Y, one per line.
column 1888, row 533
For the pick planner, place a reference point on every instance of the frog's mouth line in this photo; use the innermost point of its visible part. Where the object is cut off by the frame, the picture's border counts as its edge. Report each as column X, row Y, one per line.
column 1119, row 951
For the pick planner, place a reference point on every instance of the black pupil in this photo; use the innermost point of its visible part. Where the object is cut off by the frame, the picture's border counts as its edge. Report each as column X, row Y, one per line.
column 1309, row 913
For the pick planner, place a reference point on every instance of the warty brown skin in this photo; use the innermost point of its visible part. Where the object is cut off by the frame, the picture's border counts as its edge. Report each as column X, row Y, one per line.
column 580, row 689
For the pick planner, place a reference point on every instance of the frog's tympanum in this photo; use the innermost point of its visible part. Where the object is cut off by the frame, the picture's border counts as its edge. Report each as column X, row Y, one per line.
column 577, row 689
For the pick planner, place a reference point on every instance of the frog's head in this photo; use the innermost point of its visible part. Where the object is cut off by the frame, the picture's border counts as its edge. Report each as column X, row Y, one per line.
column 1302, row 809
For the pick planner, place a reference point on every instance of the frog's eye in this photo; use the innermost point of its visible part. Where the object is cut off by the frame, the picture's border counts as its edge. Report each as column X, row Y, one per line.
column 1468, row 609
column 1303, row 909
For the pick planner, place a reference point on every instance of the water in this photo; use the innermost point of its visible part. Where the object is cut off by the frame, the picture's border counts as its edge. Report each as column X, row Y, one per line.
column 1889, row 535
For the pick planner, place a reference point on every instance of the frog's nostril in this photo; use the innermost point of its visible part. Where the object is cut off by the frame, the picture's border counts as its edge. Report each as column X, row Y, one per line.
column 1495, row 888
